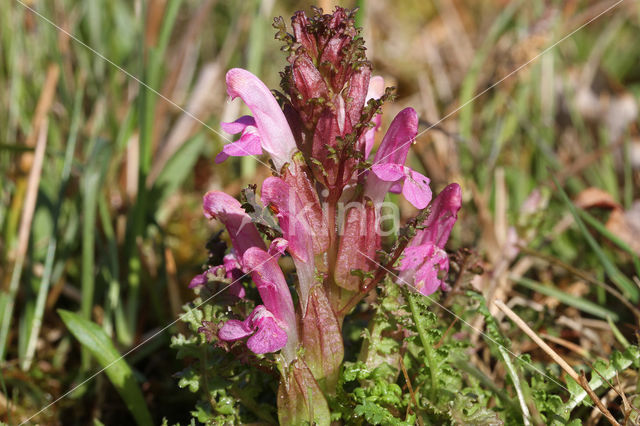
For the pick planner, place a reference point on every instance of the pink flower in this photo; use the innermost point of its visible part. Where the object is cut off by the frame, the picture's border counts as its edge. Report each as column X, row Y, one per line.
column 388, row 164
column 415, row 186
column 320, row 134
column 275, row 320
column 231, row 270
column 267, row 334
column 243, row 233
column 274, row 323
column 249, row 142
column 269, row 126
column 425, row 263
column 422, row 265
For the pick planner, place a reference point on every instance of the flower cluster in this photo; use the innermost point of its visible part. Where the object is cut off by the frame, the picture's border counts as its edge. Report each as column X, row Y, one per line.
column 326, row 195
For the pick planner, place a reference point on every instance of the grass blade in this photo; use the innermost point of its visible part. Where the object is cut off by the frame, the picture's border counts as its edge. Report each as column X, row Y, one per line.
column 569, row 300
column 91, row 186
column 8, row 299
column 602, row 229
column 43, row 290
column 627, row 287
column 152, row 72
column 96, row 341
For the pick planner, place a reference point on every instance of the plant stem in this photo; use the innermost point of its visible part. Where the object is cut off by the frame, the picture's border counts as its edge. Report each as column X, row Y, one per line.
column 515, row 379
column 426, row 344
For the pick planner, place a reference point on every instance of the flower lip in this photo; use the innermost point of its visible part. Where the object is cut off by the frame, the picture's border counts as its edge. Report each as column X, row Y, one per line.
column 388, row 164
column 415, row 186
column 267, row 335
column 249, row 142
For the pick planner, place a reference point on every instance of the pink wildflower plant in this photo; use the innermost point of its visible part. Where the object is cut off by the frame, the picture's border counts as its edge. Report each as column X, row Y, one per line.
column 327, row 199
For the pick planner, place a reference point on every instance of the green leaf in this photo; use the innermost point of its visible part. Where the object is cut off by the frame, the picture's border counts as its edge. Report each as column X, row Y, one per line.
column 93, row 338
column 189, row 378
column 620, row 361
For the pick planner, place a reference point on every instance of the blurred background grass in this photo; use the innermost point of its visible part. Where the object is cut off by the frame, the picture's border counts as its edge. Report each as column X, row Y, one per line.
column 102, row 176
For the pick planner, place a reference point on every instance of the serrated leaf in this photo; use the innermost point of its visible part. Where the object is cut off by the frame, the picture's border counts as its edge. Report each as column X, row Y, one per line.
column 467, row 410
column 189, row 378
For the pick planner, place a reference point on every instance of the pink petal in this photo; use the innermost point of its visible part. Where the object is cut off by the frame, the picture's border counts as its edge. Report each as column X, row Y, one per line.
column 243, row 233
column 416, row 189
column 239, row 125
column 396, row 187
column 198, row 280
column 278, row 247
column 376, row 88
column 413, row 257
column 396, row 142
column 375, row 91
column 248, row 144
column 272, row 125
column 427, row 281
column 291, row 218
column 420, row 267
column 444, row 213
column 388, row 172
column 370, row 135
column 231, row 262
column 234, row 330
column 393, row 151
column 269, row 337
column 272, row 286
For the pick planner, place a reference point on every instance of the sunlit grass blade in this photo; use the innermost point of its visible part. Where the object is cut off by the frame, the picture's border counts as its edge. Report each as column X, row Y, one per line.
column 569, row 300
column 7, row 302
column 96, row 341
column 113, row 312
column 92, row 178
column 43, row 290
column 602, row 229
column 152, row 70
column 176, row 171
column 467, row 90
column 618, row 334
column 627, row 287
